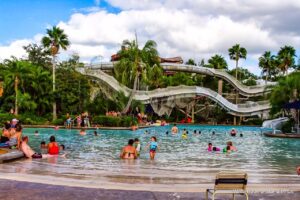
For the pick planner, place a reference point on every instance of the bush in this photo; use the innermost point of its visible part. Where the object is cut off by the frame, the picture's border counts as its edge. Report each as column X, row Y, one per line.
column 287, row 126
column 113, row 121
column 5, row 117
column 255, row 121
column 58, row 121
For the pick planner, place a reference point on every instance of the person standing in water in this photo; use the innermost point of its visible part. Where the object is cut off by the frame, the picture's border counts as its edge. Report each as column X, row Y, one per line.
column 137, row 146
column 129, row 151
column 174, row 129
column 153, row 146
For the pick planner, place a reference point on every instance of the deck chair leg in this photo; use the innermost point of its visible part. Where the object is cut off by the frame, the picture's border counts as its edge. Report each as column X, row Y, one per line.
column 213, row 196
column 247, row 198
column 233, row 197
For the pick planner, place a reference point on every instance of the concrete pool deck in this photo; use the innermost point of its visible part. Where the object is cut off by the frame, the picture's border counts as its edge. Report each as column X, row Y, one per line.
column 15, row 190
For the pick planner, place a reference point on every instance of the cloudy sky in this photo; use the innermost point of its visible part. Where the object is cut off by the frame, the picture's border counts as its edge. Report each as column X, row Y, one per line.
column 189, row 28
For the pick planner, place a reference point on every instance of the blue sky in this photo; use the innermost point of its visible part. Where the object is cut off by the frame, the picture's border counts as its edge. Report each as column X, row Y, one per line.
column 25, row 18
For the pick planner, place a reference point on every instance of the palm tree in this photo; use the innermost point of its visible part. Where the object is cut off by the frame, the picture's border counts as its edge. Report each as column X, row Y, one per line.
column 217, row 62
column 236, row 53
column 55, row 39
column 267, row 63
column 15, row 73
column 286, row 57
column 134, row 63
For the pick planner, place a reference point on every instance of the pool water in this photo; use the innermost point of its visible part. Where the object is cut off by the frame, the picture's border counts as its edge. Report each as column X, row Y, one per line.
column 178, row 160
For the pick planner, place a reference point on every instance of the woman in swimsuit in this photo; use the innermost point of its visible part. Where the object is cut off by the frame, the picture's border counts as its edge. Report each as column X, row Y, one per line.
column 53, row 147
column 15, row 139
column 129, row 151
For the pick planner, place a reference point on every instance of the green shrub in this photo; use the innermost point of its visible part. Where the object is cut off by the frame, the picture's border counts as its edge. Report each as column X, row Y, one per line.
column 287, row 126
column 5, row 117
column 58, row 121
column 255, row 121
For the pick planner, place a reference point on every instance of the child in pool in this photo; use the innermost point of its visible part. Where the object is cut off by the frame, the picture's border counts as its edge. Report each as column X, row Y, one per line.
column 153, row 146
column 137, row 146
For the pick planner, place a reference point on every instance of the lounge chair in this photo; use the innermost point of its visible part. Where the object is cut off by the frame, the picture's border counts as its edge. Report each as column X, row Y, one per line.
column 229, row 183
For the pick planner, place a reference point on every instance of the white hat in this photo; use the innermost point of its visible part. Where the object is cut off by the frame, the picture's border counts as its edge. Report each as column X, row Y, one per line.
column 14, row 120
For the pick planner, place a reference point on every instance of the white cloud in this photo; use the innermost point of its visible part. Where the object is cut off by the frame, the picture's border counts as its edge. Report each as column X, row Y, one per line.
column 15, row 48
column 190, row 28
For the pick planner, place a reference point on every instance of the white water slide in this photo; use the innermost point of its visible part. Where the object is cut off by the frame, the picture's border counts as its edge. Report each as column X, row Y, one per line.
column 275, row 123
column 248, row 91
column 169, row 93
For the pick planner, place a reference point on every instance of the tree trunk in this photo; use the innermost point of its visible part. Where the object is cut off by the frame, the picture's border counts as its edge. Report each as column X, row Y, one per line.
column 16, row 92
column 236, row 68
column 53, row 89
column 132, row 94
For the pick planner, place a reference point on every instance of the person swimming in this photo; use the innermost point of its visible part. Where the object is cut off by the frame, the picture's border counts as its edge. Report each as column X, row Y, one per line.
column 232, row 148
column 213, row 133
column 211, row 148
column 36, row 133
column 82, row 132
column 95, row 133
column 241, row 135
column 233, row 132
column 167, row 133
column 184, row 134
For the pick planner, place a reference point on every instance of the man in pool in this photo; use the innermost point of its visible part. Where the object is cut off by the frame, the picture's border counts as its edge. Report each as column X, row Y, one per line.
column 129, row 151
column 174, row 129
column 153, row 147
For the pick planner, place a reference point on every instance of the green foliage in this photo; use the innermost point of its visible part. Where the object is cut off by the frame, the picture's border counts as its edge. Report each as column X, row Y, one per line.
column 191, row 62
column 135, row 62
column 58, row 122
column 253, row 122
column 217, row 62
column 286, row 57
column 236, row 53
column 38, row 56
column 243, row 73
column 268, row 64
column 287, row 126
column 109, row 121
column 4, row 117
column 284, row 91
column 55, row 38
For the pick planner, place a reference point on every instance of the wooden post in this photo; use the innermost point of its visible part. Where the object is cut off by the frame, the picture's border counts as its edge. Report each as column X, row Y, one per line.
column 234, row 120
column 193, row 113
column 220, row 86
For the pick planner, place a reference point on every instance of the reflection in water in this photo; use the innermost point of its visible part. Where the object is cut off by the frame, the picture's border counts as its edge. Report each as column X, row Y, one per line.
column 177, row 160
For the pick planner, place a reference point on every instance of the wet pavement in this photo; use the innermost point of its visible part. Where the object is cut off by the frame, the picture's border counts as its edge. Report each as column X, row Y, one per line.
column 15, row 190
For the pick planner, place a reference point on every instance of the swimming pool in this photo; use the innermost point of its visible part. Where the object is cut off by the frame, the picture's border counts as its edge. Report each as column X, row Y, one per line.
column 178, row 160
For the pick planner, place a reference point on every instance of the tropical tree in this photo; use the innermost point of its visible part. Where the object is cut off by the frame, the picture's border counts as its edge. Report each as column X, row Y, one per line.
column 217, row 62
column 15, row 74
column 236, row 53
column 38, row 56
column 155, row 77
column 286, row 57
column 191, row 62
column 134, row 63
column 54, row 41
column 267, row 63
column 285, row 91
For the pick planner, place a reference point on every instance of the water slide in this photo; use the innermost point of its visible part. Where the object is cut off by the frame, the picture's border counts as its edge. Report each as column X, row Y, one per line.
column 248, row 91
column 247, row 109
column 275, row 123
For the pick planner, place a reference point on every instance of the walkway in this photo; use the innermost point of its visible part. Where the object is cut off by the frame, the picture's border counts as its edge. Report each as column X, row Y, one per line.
column 17, row 190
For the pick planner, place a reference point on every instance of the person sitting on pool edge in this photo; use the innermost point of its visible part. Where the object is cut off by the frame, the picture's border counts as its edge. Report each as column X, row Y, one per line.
column 129, row 151
column 53, row 147
column 25, row 148
column 153, row 146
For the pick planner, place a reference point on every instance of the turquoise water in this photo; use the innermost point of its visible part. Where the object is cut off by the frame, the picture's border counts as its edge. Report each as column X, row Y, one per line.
column 92, row 155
